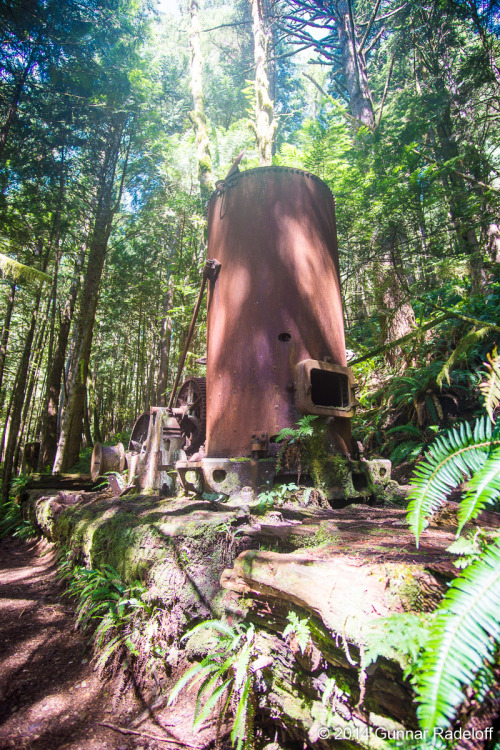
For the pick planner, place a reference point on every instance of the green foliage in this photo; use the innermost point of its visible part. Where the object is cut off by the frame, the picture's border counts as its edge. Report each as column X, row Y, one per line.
column 490, row 388
column 298, row 630
column 465, row 635
column 304, row 429
column 125, row 625
column 299, row 442
column 467, row 548
column 224, row 677
column 401, row 418
column 399, row 637
column 462, row 641
column 333, row 695
column 276, row 495
column 463, row 452
column 12, row 521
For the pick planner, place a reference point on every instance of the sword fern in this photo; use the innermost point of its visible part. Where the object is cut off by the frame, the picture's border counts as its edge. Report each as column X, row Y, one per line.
column 225, row 674
column 461, row 453
column 464, row 639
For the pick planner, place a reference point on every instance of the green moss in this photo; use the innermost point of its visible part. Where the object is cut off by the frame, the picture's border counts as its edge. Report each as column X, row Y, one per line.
column 322, row 537
column 405, row 588
column 327, row 470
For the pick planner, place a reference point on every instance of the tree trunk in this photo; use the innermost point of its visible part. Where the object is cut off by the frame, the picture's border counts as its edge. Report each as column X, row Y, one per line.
column 354, row 67
column 56, row 371
column 5, row 337
column 70, row 438
column 4, row 131
column 165, row 340
column 18, row 398
column 197, row 116
column 265, row 125
column 466, row 236
column 38, row 350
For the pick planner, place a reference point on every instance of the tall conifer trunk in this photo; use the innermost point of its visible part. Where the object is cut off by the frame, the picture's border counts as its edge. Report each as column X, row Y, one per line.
column 265, row 125
column 353, row 63
column 198, row 117
column 18, row 397
column 5, row 336
column 56, row 371
column 71, row 431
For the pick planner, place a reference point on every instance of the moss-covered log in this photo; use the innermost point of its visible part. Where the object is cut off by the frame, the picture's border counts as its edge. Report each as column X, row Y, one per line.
column 351, row 579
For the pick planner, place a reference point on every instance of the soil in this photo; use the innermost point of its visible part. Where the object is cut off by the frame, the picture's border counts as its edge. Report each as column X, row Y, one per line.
column 50, row 697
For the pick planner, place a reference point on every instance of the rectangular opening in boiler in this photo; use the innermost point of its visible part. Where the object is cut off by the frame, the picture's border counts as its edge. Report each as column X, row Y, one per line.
column 329, row 389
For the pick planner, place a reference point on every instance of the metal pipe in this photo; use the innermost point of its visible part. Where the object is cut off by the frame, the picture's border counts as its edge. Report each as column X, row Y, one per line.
column 210, row 272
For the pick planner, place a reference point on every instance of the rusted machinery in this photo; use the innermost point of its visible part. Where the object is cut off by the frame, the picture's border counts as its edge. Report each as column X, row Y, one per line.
column 275, row 341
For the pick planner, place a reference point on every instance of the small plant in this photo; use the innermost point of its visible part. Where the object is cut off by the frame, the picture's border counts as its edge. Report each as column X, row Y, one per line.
column 224, row 675
column 277, row 495
column 333, row 696
column 296, row 441
column 297, row 632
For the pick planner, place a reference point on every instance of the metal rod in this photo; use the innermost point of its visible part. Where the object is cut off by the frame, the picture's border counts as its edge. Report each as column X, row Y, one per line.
column 210, row 271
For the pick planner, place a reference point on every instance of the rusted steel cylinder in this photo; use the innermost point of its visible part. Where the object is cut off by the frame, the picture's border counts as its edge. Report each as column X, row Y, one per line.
column 275, row 304
column 106, row 458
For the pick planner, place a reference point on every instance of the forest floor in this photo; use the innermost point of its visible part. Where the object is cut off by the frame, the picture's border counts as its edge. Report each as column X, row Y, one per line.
column 50, row 697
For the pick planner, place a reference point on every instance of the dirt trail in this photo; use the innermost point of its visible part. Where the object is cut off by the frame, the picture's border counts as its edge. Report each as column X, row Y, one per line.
column 50, row 698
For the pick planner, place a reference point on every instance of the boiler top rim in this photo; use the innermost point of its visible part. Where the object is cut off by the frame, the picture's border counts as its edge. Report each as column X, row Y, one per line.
column 221, row 185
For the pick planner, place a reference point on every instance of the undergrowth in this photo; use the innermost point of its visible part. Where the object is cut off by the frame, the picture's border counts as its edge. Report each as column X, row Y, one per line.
column 12, row 521
column 128, row 630
column 225, row 680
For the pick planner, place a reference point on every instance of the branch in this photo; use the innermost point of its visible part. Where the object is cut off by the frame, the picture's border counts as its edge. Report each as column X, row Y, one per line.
column 465, row 318
column 226, row 25
column 123, row 730
column 353, row 120
column 374, row 41
column 386, row 88
column 19, row 272
column 447, row 315
column 466, row 177
column 369, row 27
column 397, row 342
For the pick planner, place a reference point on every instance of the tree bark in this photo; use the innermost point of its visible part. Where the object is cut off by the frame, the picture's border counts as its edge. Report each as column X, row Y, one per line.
column 265, row 125
column 198, row 117
column 56, row 371
column 5, row 337
column 18, row 397
column 71, row 432
column 353, row 63
column 165, row 340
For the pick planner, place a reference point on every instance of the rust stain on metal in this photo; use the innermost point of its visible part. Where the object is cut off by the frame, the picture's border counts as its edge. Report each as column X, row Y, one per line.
column 275, row 303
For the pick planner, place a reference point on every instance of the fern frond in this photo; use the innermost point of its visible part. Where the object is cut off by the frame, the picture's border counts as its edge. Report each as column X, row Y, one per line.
column 491, row 387
column 454, row 456
column 240, row 727
column 242, row 665
column 216, row 625
column 183, row 682
column 463, row 638
column 483, row 489
column 211, row 702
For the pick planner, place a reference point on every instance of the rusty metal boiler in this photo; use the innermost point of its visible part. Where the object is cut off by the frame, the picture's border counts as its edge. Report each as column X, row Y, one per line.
column 275, row 332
